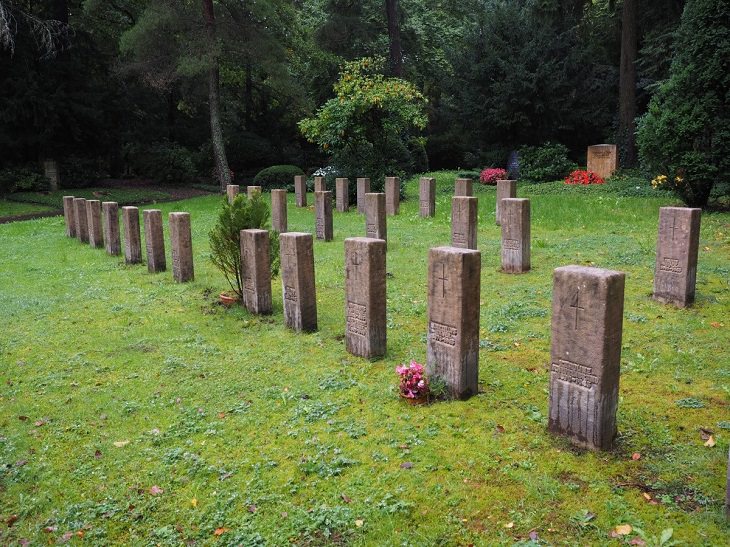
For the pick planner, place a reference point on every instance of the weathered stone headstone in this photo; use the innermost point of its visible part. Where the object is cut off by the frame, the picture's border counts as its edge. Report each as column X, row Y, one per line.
column 154, row 240
column 253, row 190
column 453, row 318
column 278, row 211
column 256, row 271
column 464, row 222
column 513, row 165
column 68, row 216
column 585, row 354
column 81, row 221
column 392, row 195
column 93, row 221
column 232, row 191
column 50, row 170
column 297, row 279
column 463, row 187
column 675, row 272
column 112, row 242
column 342, row 195
column 181, row 242
column 363, row 187
column 365, row 327
column 515, row 235
column 505, row 189
column 320, row 184
column 602, row 159
column 300, row 190
column 376, row 226
column 427, row 196
column 323, row 215
column 132, row 244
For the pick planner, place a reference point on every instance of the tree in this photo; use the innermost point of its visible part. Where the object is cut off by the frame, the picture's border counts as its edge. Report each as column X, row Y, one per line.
column 395, row 51
column 627, row 83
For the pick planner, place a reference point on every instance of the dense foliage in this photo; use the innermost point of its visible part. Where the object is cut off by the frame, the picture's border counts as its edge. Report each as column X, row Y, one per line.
column 277, row 176
column 545, row 163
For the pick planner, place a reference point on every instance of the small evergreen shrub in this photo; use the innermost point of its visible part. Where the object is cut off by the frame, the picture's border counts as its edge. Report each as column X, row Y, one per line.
column 21, row 179
column 545, row 163
column 276, row 176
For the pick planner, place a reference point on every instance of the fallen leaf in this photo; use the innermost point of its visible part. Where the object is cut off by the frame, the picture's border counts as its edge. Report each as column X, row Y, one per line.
column 647, row 496
column 22, row 418
column 705, row 433
column 97, row 454
column 500, row 428
column 252, row 508
column 21, row 463
column 533, row 535
column 346, row 498
column 637, row 541
column 406, row 465
column 40, row 423
column 359, row 523
column 716, row 324
column 509, row 525
column 11, row 520
column 155, row 490
column 66, row 536
column 220, row 531
column 710, row 442
column 621, row 530
column 50, row 529
column 221, row 415
column 194, row 502
column 635, row 456
column 120, row 444
column 80, row 533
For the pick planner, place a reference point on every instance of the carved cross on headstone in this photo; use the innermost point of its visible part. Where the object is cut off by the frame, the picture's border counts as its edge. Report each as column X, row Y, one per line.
column 443, row 280
column 577, row 307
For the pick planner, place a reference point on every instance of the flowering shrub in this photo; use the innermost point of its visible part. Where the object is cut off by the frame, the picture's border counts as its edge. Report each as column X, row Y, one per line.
column 413, row 382
column 492, row 175
column 662, row 181
column 583, row 177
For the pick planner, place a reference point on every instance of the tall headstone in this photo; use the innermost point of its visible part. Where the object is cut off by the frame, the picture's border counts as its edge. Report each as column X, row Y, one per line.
column 112, row 242
column 81, row 220
column 278, row 211
column 68, row 216
column 464, row 222
column 323, row 215
column 154, row 240
column 513, row 165
column 50, row 170
column 675, row 272
column 515, row 235
column 300, row 190
column 463, row 187
column 392, row 195
column 452, row 351
column 342, row 195
column 132, row 244
column 320, row 184
column 602, row 159
column 297, row 279
column 363, row 187
column 181, row 242
column 232, row 191
column 427, row 196
column 93, row 221
column 505, row 189
column 585, row 354
column 376, row 226
column 251, row 191
column 365, row 326
column 256, row 271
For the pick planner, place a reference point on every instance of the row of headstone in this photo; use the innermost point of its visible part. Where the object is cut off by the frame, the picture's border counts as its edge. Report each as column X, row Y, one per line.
column 342, row 193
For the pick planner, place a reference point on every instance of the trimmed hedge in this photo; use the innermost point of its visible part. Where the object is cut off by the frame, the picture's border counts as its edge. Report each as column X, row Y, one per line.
column 276, row 176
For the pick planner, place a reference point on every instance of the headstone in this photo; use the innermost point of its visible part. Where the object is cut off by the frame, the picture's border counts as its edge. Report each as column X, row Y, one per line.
column 132, row 245
column 464, row 222
column 675, row 272
column 323, row 215
column 602, row 159
column 93, row 222
column 297, row 279
column 376, row 226
column 463, row 187
column 365, row 325
column 505, row 189
column 232, row 191
column 392, row 195
column 81, row 221
column 453, row 318
column 111, row 228
column 427, row 196
column 342, row 195
column 300, row 190
column 363, row 187
column 513, row 165
column 585, row 354
column 154, row 240
column 278, row 211
column 181, row 241
column 253, row 190
column 515, row 235
column 256, row 271
column 68, row 216
column 50, row 170
column 320, row 184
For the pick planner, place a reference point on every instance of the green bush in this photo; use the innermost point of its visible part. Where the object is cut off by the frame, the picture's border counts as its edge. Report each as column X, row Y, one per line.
column 545, row 163
column 276, row 176
column 166, row 162
column 21, row 179
column 78, row 172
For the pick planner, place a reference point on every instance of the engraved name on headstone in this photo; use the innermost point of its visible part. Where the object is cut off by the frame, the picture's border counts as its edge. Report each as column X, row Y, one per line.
column 602, row 159
column 154, row 240
column 256, row 271
column 464, row 222
column 297, row 280
column 427, row 196
column 675, row 272
column 323, row 215
column 515, row 235
column 376, row 226
column 181, row 243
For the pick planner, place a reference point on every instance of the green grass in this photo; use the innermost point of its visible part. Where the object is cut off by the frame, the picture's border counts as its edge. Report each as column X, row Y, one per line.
column 123, row 197
column 277, row 437
column 13, row 208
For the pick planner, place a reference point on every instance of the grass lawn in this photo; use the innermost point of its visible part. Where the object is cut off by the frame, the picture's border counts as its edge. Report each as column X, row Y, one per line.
column 12, row 208
column 122, row 196
column 136, row 410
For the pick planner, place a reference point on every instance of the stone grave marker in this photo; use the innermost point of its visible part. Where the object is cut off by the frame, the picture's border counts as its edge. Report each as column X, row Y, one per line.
column 323, row 215
column 392, row 195
column 505, row 189
column 463, row 187
column 585, row 354
column 81, row 220
column 365, row 294
column 452, row 351
column 232, row 191
column 93, row 222
column 297, row 279
column 112, row 242
column 376, row 226
column 50, row 170
column 68, row 216
column 342, row 195
column 181, row 242
column 464, row 222
column 320, row 184
column 515, row 235
column 513, row 165
column 154, row 240
column 675, row 272
column 363, row 187
column 602, row 159
column 253, row 190
column 132, row 244
column 256, row 271
column 278, row 211
column 300, row 190
column 427, row 196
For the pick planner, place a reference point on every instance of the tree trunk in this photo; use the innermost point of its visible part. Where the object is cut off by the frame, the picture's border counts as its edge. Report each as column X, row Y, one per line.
column 396, row 53
column 216, row 130
column 627, row 84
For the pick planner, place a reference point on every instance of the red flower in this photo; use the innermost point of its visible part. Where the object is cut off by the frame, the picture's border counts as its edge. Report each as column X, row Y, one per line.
column 583, row 177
